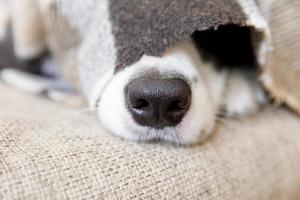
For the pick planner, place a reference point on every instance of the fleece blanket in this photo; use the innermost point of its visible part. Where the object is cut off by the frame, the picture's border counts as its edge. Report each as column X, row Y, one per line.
column 94, row 40
column 104, row 38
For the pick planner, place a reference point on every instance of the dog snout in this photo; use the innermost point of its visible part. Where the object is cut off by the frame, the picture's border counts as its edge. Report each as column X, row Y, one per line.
column 158, row 102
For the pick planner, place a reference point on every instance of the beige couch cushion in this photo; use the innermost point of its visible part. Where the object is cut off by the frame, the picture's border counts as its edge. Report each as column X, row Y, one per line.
column 50, row 151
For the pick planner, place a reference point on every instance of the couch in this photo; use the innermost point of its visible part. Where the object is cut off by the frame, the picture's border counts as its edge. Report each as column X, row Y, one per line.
column 53, row 151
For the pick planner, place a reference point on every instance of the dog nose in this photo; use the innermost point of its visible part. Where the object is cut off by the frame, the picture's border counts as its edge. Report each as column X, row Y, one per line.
column 158, row 102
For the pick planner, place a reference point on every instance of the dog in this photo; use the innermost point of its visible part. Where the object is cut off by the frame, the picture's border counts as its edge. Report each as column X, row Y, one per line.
column 156, row 98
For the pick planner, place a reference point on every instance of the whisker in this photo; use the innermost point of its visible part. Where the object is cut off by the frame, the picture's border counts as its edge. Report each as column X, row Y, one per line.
column 63, row 120
column 142, row 136
column 176, row 138
column 79, row 113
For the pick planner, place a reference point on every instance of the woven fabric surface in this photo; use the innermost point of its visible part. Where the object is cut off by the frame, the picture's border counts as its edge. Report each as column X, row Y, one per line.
column 282, row 72
column 50, row 151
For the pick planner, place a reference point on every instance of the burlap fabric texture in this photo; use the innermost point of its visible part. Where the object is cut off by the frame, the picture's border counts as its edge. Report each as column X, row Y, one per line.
column 70, row 156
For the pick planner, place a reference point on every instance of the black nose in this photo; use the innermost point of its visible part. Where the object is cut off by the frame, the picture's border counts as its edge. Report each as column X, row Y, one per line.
column 158, row 102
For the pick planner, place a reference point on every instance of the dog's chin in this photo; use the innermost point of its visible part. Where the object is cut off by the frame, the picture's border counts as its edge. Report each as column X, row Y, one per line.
column 194, row 126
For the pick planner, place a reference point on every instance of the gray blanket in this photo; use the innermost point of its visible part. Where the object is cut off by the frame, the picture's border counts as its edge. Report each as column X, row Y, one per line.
column 106, row 37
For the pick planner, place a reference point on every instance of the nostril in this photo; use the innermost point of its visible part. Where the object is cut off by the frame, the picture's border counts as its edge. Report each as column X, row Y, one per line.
column 178, row 105
column 141, row 104
column 175, row 106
